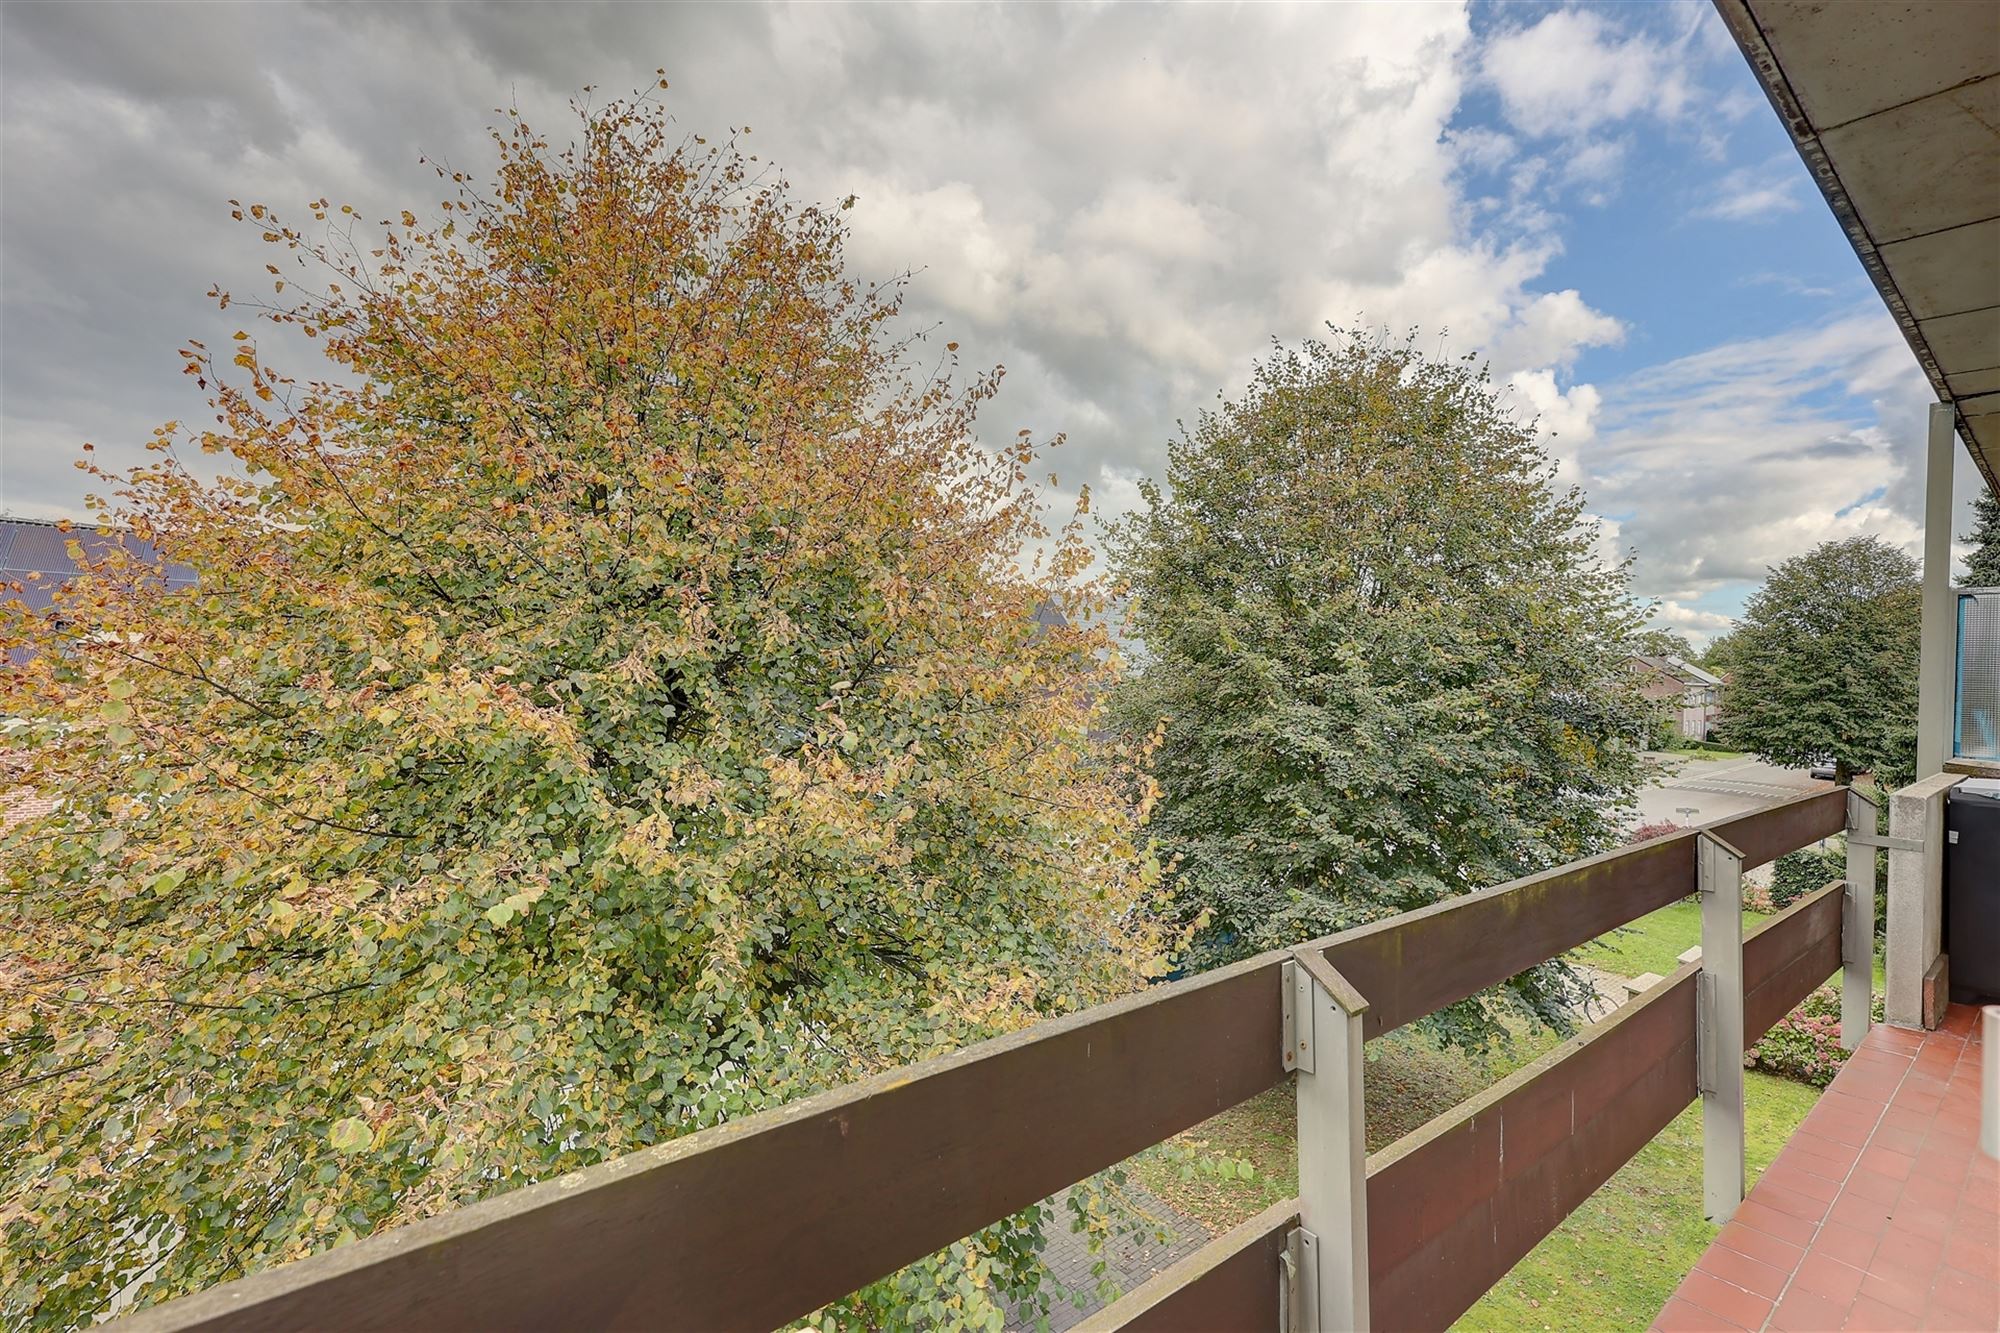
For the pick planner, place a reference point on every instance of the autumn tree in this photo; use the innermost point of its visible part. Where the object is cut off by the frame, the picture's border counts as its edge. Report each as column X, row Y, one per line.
column 1389, row 666
column 611, row 704
column 1824, row 662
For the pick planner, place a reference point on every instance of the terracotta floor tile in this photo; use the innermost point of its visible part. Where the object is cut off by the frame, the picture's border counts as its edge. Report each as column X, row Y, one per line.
column 1784, row 1226
column 1862, row 1214
column 1826, row 1276
column 1787, row 1200
column 1765, row 1248
column 1967, row 1292
column 1758, row 1278
column 1884, row 1162
column 1904, row 1117
column 1845, row 1243
column 1681, row 1316
column 1903, row 1255
column 1911, row 1295
column 1908, row 1211
column 1807, row 1312
column 1711, row 1293
column 1905, row 1141
column 1873, row 1185
column 1933, row 1224
column 1868, row 1313
column 1932, row 1192
column 1823, row 1156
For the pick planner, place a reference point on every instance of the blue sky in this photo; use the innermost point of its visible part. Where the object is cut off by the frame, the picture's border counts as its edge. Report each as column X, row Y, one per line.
column 1121, row 204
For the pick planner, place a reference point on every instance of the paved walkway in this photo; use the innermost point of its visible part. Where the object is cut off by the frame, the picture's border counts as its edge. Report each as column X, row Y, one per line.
column 1880, row 1212
column 1131, row 1260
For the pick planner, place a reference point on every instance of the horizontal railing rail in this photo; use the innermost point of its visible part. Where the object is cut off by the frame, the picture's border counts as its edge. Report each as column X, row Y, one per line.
column 756, row 1223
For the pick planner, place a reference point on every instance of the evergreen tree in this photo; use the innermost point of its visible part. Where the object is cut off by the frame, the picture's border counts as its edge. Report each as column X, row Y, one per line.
column 1982, row 566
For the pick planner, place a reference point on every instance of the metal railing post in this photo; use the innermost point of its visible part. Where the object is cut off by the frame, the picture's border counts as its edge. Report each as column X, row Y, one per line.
column 1719, row 1029
column 1327, row 1286
column 1857, row 924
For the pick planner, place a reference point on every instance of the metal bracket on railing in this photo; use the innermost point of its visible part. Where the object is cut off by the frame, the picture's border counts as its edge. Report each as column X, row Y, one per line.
column 1856, row 839
column 1297, row 1311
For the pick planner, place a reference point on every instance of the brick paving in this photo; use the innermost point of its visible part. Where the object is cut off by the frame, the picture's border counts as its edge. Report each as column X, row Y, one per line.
column 1131, row 1259
column 1880, row 1212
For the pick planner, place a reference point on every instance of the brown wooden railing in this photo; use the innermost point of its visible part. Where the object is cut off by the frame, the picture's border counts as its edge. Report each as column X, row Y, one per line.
column 754, row 1224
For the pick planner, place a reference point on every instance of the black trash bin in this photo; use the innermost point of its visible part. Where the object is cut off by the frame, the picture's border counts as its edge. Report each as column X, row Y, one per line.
column 1972, row 890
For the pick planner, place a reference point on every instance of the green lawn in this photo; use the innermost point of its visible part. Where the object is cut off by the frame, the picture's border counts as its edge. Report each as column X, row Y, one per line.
column 1655, row 942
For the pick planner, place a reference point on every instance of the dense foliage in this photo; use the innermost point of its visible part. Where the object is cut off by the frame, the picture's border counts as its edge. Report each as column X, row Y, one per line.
column 1389, row 666
column 1982, row 563
column 612, row 703
column 1807, row 870
column 1655, row 642
column 1824, row 663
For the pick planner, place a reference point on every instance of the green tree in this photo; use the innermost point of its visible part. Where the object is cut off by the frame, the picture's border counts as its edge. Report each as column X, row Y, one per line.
column 612, row 704
column 1390, row 668
column 1982, row 566
column 1664, row 643
column 1824, row 663
column 1720, row 659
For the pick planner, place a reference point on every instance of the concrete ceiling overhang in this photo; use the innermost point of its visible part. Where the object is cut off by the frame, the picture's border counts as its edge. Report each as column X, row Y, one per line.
column 1896, row 110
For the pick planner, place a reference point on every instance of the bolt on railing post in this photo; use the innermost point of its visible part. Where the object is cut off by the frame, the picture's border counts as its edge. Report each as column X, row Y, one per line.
column 1329, row 1252
column 1719, row 1027
column 1857, row 924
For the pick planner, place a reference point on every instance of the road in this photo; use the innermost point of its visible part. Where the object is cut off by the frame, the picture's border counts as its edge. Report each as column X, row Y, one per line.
column 1716, row 788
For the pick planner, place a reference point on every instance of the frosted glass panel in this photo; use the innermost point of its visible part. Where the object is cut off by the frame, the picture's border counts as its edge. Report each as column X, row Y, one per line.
column 1977, row 724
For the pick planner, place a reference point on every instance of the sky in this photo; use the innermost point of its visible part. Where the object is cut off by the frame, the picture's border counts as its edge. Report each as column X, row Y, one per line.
column 1121, row 205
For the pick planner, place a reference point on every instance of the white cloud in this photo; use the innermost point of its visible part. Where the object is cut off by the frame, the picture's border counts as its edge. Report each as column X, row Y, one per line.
column 1122, row 206
column 1573, row 70
column 1729, row 461
column 1755, row 194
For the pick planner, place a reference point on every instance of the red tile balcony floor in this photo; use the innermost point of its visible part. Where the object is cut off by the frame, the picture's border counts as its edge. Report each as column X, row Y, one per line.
column 1880, row 1213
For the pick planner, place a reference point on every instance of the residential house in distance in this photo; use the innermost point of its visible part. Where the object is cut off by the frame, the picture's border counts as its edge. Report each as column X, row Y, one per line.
column 1692, row 696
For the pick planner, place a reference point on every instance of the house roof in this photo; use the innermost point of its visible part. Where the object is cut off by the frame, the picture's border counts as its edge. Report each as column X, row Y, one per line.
column 1894, row 109
column 34, row 554
column 1681, row 671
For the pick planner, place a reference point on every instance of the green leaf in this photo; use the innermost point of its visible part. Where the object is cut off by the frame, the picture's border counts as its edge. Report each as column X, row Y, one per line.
column 351, row 1135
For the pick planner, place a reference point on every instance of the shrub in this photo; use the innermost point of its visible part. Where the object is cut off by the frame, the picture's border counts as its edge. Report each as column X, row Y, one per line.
column 1648, row 832
column 1805, row 1044
column 1799, row 873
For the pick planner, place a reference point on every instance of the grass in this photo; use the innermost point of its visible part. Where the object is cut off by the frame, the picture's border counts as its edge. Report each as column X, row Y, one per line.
column 1653, row 943
column 1656, row 941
